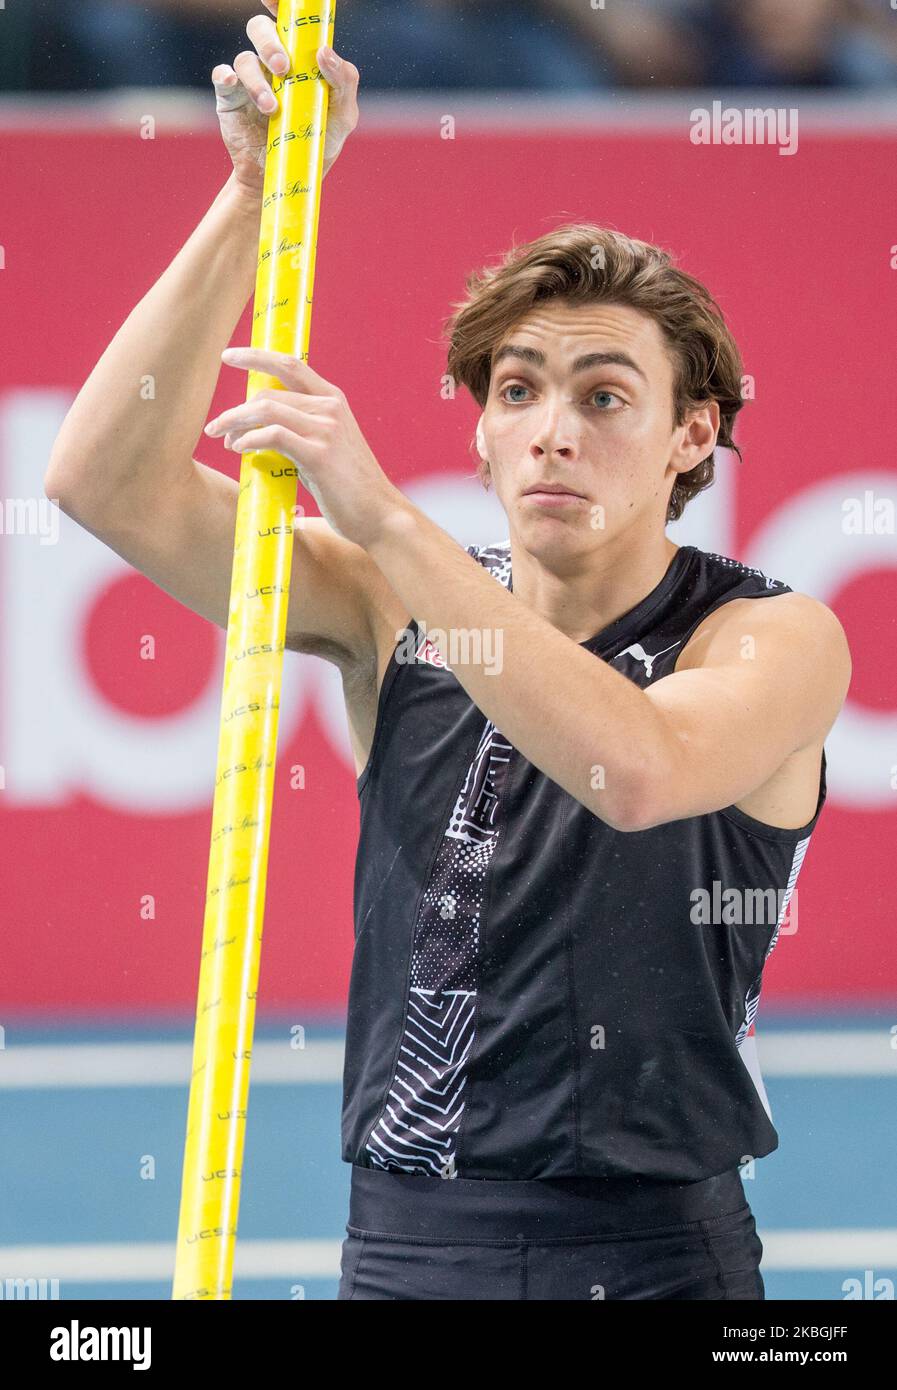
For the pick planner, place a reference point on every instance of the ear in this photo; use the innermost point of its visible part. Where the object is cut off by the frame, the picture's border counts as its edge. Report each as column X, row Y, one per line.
column 699, row 439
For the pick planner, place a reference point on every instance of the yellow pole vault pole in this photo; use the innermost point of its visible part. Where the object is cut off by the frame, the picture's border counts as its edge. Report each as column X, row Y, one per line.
column 253, row 671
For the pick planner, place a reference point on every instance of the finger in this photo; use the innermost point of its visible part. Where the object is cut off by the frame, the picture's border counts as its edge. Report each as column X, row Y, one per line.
column 298, row 422
column 229, row 90
column 276, row 438
column 271, row 5
column 342, row 116
column 294, row 373
column 252, row 75
column 343, row 78
column 264, row 409
column 263, row 33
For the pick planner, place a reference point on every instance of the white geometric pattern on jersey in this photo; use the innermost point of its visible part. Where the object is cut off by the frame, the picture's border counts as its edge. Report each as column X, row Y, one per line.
column 752, row 998
column 497, row 559
column 474, row 814
column 729, row 563
column 418, row 1129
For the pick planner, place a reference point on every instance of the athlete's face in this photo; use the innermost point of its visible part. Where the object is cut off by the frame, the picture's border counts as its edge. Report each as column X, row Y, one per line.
column 582, row 396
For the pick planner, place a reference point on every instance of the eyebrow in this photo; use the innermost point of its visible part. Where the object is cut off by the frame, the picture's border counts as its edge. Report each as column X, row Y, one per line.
column 582, row 364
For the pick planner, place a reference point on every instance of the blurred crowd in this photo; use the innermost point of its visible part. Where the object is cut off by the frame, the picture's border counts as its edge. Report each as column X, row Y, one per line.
column 399, row 45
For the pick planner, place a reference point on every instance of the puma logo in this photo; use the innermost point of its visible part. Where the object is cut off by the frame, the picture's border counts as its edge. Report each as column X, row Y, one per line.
column 638, row 652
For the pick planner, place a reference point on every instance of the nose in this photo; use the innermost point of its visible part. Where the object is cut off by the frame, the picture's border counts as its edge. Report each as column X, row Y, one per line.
column 556, row 430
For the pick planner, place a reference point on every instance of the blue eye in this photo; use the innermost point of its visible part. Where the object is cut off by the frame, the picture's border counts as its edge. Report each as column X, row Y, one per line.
column 606, row 399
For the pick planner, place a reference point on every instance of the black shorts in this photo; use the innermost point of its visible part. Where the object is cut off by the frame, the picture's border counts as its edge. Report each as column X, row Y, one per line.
column 413, row 1237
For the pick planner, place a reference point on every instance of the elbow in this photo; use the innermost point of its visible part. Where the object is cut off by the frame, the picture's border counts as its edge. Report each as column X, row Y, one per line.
column 55, row 477
column 630, row 819
column 69, row 465
column 68, row 484
column 53, row 489
column 642, row 817
column 635, row 807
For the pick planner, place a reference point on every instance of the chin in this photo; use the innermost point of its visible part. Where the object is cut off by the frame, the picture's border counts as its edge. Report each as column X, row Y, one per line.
column 548, row 536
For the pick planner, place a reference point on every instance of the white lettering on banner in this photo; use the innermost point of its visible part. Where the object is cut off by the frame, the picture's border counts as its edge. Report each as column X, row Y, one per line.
column 804, row 543
column 61, row 737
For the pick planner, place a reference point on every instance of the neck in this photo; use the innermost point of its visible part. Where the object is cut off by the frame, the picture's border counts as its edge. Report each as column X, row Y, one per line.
column 591, row 591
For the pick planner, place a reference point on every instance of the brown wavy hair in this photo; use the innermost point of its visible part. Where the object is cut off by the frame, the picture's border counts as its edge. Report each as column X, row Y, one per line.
column 581, row 262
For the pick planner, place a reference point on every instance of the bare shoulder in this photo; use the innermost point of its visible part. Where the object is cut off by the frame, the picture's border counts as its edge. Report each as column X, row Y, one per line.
column 791, row 636
column 792, row 660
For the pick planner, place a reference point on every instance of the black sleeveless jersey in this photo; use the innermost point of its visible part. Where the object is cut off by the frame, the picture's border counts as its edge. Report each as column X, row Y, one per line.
column 535, row 994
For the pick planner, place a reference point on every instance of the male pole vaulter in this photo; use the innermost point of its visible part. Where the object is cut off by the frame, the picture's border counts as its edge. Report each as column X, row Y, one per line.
column 580, row 836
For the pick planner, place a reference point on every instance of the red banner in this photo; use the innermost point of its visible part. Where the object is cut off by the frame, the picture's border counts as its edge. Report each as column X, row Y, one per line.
column 108, row 757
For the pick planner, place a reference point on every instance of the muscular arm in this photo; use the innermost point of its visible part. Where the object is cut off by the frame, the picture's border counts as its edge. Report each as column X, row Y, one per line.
column 696, row 741
column 126, row 443
column 122, row 464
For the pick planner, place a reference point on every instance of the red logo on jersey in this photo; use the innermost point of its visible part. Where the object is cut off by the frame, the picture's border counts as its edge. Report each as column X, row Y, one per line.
column 427, row 651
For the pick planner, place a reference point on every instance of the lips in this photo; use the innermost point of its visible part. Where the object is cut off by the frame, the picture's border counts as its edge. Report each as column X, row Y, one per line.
column 553, row 488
